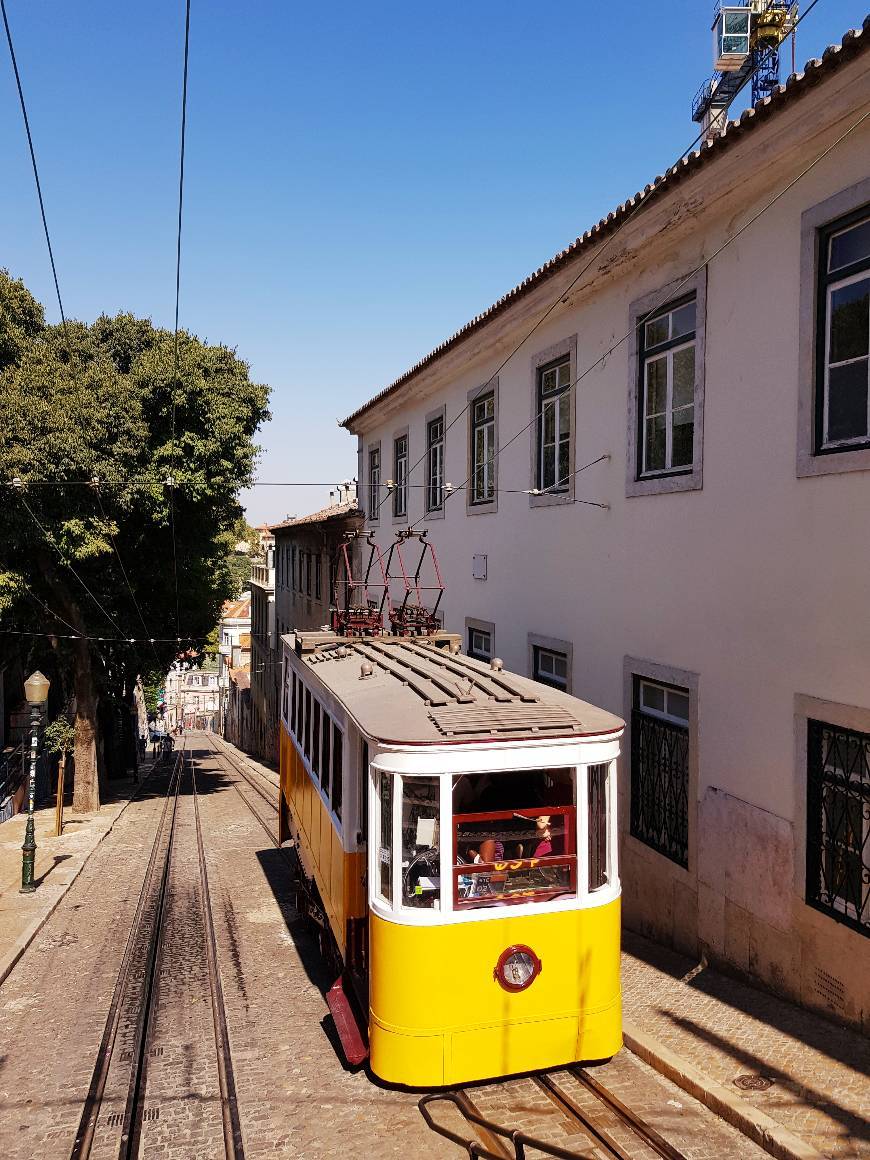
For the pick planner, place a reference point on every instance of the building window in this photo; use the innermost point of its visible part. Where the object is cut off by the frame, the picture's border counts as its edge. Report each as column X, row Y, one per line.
column 435, row 464
column 838, row 823
column 554, row 426
column 480, row 644
column 666, row 414
column 400, row 476
column 843, row 335
column 483, row 449
column 318, row 575
column 550, row 667
column 374, row 482
column 660, row 768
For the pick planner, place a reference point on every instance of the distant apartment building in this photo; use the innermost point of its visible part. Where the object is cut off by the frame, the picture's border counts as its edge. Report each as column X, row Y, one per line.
column 234, row 641
column 265, row 657
column 192, row 697
column 305, row 557
column 659, row 503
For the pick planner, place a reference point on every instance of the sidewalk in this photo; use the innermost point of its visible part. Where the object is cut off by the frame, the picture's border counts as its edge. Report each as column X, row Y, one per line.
column 703, row 1029
column 58, row 864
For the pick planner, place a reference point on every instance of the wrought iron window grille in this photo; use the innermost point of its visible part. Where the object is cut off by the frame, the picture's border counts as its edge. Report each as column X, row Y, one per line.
column 659, row 814
column 838, row 824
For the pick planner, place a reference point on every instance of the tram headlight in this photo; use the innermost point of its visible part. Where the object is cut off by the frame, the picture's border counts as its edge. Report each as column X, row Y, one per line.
column 517, row 968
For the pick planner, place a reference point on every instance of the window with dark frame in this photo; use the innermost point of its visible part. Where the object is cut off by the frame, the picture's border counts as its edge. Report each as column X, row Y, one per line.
column 325, row 758
column 400, row 476
column 659, row 807
column 666, row 391
column 838, row 824
column 480, row 644
column 292, row 578
column 337, row 783
column 554, row 426
column 435, row 464
column 307, row 573
column 483, row 449
column 842, row 418
column 318, row 575
column 596, row 792
column 374, row 482
column 550, row 667
column 315, row 742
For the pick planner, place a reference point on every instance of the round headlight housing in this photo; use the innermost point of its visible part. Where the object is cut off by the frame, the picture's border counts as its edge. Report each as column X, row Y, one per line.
column 517, row 968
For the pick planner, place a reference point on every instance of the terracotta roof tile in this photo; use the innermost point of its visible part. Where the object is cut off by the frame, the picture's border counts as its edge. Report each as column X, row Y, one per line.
column 854, row 43
column 331, row 513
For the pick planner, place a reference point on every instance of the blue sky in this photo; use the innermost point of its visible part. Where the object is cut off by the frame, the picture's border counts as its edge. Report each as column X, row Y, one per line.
column 361, row 179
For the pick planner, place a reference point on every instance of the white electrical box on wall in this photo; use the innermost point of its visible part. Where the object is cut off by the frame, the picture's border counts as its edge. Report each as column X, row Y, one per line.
column 478, row 567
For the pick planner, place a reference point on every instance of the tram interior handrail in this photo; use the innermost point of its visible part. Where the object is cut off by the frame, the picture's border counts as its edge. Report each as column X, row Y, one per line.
column 519, row 1140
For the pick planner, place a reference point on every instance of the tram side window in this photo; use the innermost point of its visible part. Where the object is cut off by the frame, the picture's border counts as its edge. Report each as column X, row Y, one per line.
column 293, row 705
column 599, row 871
column 337, row 751
column 385, row 848
column 297, row 730
column 514, row 837
column 315, row 741
column 421, row 840
column 325, row 764
column 306, row 747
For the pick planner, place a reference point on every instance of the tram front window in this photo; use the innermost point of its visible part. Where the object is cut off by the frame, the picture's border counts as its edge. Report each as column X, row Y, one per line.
column 514, row 837
column 421, row 882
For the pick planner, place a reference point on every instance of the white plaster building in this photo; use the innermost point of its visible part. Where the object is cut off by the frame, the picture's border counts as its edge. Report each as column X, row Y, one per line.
column 192, row 698
column 264, row 656
column 706, row 349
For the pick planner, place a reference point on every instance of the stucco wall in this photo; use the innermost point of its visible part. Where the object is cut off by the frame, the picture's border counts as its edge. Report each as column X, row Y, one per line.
column 757, row 582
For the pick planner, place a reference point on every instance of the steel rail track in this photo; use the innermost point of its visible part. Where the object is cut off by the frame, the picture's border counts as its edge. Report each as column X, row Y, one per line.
column 93, row 1101
column 233, row 1145
column 233, row 765
column 149, row 925
column 500, row 1142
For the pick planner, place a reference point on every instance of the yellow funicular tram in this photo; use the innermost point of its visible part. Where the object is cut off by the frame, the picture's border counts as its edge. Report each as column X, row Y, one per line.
column 455, row 826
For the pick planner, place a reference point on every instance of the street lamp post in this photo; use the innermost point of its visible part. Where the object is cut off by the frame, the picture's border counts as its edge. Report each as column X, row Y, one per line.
column 36, row 691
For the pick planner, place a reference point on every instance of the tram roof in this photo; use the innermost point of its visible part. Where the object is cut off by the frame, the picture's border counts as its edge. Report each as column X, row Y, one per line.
column 422, row 692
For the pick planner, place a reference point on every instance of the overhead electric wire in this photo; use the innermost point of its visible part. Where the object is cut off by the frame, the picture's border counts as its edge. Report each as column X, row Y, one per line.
column 124, row 573
column 65, row 330
column 641, row 199
column 177, row 306
column 35, row 167
column 48, row 536
column 673, row 291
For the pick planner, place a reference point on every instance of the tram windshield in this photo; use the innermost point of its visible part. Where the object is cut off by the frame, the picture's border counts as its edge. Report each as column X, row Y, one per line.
column 511, row 837
column 514, row 837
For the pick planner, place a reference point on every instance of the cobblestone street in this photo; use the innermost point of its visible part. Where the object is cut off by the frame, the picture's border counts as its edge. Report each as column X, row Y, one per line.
column 289, row 1090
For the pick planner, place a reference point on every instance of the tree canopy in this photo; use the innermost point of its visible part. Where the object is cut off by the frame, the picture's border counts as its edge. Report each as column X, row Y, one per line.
column 124, row 468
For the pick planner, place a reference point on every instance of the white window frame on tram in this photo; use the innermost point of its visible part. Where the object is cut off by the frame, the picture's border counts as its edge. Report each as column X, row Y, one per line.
column 400, row 766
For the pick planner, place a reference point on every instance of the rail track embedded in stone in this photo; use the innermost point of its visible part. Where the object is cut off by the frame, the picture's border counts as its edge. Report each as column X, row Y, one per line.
column 493, row 1140
column 271, row 800
column 162, row 957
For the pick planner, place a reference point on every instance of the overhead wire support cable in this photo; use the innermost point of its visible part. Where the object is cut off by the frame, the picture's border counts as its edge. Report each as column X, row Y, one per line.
column 96, row 486
column 640, row 200
column 35, row 167
column 48, row 536
column 674, row 291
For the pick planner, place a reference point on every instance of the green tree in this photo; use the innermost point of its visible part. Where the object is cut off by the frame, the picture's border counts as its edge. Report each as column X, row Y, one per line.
column 168, row 456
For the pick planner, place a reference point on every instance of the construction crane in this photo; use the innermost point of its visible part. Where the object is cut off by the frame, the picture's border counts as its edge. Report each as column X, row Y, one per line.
column 746, row 43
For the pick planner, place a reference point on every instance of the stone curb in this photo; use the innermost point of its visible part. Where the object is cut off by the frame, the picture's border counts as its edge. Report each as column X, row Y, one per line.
column 11, row 957
column 768, row 1133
